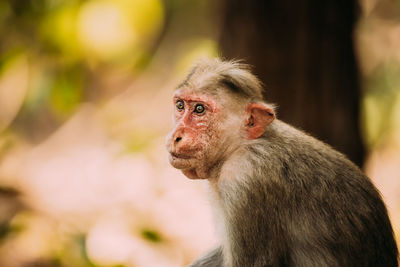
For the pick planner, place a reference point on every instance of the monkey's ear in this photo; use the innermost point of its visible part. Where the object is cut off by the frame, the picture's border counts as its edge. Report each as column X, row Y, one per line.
column 259, row 116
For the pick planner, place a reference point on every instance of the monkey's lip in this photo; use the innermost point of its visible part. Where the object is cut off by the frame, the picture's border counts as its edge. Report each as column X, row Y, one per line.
column 180, row 156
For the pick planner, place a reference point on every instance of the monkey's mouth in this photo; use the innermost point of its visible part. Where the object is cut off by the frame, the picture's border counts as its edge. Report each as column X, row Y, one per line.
column 180, row 161
column 180, row 156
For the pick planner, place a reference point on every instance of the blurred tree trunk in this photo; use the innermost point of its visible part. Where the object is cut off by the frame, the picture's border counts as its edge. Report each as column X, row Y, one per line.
column 303, row 52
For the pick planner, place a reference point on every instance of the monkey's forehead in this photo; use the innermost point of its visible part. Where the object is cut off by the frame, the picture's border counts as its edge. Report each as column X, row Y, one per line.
column 194, row 95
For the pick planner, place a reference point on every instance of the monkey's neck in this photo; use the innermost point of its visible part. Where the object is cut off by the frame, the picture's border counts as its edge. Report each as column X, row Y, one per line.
column 236, row 191
column 223, row 227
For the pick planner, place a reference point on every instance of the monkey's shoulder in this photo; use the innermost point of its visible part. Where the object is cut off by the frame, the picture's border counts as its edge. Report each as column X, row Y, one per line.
column 286, row 141
column 287, row 152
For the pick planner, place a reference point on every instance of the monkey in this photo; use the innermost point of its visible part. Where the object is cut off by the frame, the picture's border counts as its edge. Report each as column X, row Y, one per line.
column 281, row 197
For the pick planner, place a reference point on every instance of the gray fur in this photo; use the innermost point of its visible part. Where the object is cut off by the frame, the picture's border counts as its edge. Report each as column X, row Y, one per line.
column 287, row 199
column 295, row 201
column 233, row 75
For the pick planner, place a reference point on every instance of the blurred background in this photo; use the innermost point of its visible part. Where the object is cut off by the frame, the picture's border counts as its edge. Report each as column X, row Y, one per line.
column 85, row 88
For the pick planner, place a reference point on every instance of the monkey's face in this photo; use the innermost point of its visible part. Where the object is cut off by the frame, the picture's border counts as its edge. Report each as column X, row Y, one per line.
column 201, row 136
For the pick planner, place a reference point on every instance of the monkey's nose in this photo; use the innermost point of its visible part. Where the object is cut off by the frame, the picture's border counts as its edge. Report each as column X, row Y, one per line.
column 178, row 139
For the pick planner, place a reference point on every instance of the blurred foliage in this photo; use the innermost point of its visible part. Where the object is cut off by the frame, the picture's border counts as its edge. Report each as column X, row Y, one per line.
column 151, row 235
column 382, row 93
column 66, row 43
column 63, row 46
column 10, row 206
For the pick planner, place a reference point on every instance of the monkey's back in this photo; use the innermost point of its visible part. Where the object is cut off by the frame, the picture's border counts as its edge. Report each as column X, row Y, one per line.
column 302, row 203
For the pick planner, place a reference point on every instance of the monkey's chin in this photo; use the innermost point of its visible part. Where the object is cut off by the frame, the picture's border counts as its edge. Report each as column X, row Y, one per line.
column 180, row 163
column 185, row 165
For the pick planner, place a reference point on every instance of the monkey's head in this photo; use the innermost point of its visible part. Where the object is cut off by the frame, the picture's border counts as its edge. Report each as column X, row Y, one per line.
column 217, row 109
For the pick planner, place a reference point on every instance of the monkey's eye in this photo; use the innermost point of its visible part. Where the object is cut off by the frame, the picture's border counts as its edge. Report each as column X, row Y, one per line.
column 179, row 105
column 199, row 108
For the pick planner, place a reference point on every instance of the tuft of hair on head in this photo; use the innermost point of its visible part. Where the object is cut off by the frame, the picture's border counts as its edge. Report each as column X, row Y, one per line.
column 231, row 74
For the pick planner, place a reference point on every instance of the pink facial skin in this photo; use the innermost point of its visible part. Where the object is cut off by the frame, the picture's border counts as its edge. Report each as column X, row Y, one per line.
column 195, row 132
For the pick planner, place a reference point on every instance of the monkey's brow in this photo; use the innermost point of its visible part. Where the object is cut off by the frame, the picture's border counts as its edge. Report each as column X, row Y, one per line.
column 190, row 99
